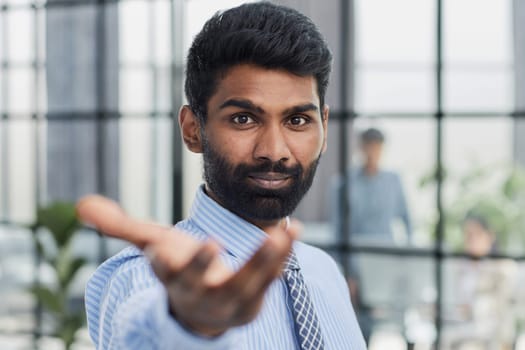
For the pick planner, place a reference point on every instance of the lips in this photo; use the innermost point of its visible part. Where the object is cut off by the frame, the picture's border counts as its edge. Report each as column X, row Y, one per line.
column 270, row 180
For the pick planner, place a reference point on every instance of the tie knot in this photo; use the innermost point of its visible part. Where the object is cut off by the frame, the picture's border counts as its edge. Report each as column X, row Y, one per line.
column 291, row 262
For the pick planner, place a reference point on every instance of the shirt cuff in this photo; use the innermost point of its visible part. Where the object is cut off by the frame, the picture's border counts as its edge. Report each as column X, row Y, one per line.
column 177, row 337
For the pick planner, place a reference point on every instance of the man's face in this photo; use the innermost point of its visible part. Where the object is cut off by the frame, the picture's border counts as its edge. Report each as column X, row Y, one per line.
column 262, row 141
column 372, row 151
column 478, row 240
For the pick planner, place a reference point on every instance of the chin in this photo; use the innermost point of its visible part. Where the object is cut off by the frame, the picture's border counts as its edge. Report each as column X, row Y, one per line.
column 265, row 209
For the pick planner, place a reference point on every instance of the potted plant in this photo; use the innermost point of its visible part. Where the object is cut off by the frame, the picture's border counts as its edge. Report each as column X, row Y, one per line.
column 58, row 220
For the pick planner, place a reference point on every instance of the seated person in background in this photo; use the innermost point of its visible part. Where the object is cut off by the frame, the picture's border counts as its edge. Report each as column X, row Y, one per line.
column 376, row 196
column 479, row 238
column 483, row 292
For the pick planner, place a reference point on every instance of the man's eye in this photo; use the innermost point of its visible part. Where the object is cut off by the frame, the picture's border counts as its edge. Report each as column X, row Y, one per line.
column 242, row 119
column 298, row 120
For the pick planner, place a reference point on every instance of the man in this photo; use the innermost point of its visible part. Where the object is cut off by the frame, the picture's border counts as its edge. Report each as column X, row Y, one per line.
column 376, row 200
column 376, row 196
column 255, row 82
column 484, row 290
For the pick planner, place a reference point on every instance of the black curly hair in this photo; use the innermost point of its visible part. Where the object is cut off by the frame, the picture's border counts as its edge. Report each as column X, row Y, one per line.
column 261, row 33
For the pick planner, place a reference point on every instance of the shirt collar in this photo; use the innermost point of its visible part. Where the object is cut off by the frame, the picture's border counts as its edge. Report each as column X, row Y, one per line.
column 239, row 237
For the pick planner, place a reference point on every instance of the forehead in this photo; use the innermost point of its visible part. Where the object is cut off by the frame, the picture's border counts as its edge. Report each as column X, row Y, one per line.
column 474, row 227
column 371, row 144
column 268, row 88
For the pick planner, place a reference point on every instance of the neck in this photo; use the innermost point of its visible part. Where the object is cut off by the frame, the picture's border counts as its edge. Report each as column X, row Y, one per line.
column 371, row 169
column 266, row 225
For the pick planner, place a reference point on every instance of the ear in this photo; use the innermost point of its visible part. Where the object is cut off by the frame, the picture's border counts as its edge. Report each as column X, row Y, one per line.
column 190, row 129
column 326, row 112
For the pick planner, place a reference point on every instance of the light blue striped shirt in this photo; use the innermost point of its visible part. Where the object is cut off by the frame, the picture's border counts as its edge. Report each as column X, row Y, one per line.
column 127, row 306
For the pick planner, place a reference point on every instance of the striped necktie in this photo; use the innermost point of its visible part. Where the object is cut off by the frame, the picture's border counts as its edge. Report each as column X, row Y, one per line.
column 307, row 328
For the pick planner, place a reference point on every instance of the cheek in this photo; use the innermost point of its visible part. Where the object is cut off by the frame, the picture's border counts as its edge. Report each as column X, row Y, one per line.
column 233, row 147
column 307, row 148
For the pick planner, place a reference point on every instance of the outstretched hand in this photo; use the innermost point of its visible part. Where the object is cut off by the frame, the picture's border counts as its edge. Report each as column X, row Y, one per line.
column 204, row 295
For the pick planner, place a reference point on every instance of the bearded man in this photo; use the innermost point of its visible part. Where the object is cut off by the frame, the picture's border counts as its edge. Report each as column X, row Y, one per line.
column 231, row 275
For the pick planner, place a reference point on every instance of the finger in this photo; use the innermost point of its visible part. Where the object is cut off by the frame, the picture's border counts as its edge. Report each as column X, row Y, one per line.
column 250, row 301
column 295, row 228
column 191, row 276
column 174, row 251
column 249, row 307
column 244, row 293
column 108, row 216
column 99, row 211
column 264, row 266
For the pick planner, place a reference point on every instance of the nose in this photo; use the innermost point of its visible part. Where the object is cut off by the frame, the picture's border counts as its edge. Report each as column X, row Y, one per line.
column 272, row 145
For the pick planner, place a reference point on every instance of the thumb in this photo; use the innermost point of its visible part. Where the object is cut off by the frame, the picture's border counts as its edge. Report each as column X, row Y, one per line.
column 294, row 228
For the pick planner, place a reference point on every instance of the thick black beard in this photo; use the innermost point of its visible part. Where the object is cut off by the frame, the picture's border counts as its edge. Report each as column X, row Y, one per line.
column 238, row 194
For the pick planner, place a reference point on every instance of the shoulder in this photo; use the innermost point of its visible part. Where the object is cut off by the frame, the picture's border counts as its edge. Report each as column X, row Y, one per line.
column 111, row 283
column 314, row 259
column 126, row 259
column 390, row 176
column 126, row 255
column 321, row 270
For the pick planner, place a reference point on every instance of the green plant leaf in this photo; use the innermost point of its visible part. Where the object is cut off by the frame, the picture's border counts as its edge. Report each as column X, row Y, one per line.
column 60, row 219
column 67, row 267
column 69, row 327
column 514, row 186
column 40, row 249
column 50, row 300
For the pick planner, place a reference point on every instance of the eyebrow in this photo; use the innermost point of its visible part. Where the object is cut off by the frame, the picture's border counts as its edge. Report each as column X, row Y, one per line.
column 244, row 104
column 248, row 105
column 307, row 107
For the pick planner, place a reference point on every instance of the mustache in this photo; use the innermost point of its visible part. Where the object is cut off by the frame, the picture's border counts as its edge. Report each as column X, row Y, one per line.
column 243, row 170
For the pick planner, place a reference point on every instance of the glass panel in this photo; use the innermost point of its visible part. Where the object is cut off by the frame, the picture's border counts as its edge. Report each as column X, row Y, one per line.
column 394, row 90
column 480, row 303
column 136, row 166
column 18, row 2
column 3, row 168
column 162, row 32
column 2, row 97
column 134, row 31
column 21, row 171
column 394, row 298
column 479, row 89
column 41, row 88
column 42, row 92
column 2, row 59
column 20, row 92
column 478, row 31
column 41, row 35
column 20, row 33
column 484, row 192
column 136, row 91
column 163, row 91
column 162, row 190
column 16, row 270
column 385, row 33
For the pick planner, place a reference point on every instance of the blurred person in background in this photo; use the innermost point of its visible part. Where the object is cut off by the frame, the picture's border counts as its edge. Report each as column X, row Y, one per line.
column 376, row 196
column 255, row 82
column 377, row 200
column 484, row 292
